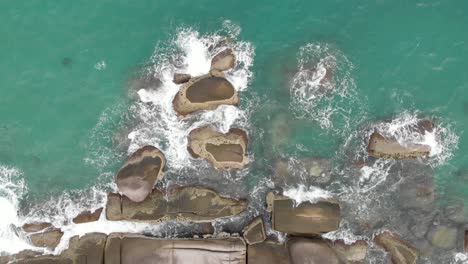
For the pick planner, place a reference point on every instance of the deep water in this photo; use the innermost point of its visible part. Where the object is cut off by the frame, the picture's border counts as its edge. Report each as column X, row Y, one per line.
column 71, row 108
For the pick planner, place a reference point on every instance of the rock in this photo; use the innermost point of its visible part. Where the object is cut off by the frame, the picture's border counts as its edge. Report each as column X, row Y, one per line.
column 267, row 252
column 444, row 237
column 206, row 92
column 318, row 169
column 21, row 255
column 308, row 171
column 306, row 218
column 180, row 78
column 416, row 196
column 425, row 125
column 36, row 227
column 223, row 61
column 466, row 241
column 353, row 254
column 311, row 251
column 381, row 147
column 195, row 204
column 140, row 172
column 49, row 239
column 255, row 231
column 400, row 251
column 144, row 250
column 222, row 150
column 87, row 216
column 112, row 248
column 114, row 207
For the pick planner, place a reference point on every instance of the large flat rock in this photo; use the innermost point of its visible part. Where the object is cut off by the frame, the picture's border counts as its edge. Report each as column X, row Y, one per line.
column 307, row 219
column 268, row 252
column 195, row 204
column 222, row 150
column 311, row 251
column 401, row 252
column 205, row 92
column 140, row 172
column 382, row 147
column 131, row 249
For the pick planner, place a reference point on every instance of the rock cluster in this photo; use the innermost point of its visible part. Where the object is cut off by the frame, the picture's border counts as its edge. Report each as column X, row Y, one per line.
column 382, row 147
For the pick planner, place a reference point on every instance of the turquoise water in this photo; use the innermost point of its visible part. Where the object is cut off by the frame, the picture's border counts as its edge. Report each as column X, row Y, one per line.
column 67, row 67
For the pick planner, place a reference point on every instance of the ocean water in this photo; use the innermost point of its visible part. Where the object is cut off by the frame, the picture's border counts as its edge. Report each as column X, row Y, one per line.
column 86, row 83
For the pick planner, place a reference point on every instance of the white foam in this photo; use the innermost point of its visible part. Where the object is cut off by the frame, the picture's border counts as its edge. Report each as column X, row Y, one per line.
column 191, row 53
column 460, row 258
column 12, row 188
column 303, row 194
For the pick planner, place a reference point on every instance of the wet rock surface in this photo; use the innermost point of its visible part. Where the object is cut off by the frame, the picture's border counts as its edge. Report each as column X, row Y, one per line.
column 306, row 171
column 87, row 216
column 382, row 147
column 137, row 176
column 311, row 251
column 205, row 92
column 307, row 218
column 49, row 239
column 222, row 150
column 36, row 227
column 401, row 252
column 353, row 253
column 180, row 78
column 255, row 231
column 444, row 237
column 223, row 61
column 268, row 252
column 195, row 204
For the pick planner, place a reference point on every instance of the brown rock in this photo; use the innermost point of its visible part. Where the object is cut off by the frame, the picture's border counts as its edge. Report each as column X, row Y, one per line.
column 223, row 61
column 466, row 241
column 87, row 216
column 381, row 147
column 112, row 249
column 195, row 204
column 140, row 172
column 222, row 150
column 205, row 92
column 255, row 231
column 21, row 255
column 49, row 239
column 36, row 227
column 444, row 237
column 114, row 207
column 311, row 251
column 180, row 78
column 306, row 218
column 400, row 251
column 354, row 253
column 268, row 252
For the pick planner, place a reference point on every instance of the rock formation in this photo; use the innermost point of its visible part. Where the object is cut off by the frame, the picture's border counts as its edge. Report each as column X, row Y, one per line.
column 205, row 92
column 400, row 251
column 350, row 254
column 255, row 231
column 140, row 172
column 222, row 150
column 311, row 251
column 180, row 78
column 36, row 227
column 87, row 216
column 382, row 147
column 268, row 252
column 223, row 61
column 195, row 204
column 48, row 239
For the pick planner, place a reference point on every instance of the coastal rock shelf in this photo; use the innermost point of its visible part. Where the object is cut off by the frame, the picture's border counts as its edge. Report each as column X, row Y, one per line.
column 140, row 172
column 222, row 150
column 195, row 204
column 401, row 251
column 205, row 92
column 382, row 147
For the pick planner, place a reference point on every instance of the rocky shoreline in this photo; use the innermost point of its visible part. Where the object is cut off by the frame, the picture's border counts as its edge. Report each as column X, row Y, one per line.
column 303, row 223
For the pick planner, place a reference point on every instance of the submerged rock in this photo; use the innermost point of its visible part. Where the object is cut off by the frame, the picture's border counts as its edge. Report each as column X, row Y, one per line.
column 196, row 204
column 307, row 171
column 205, row 92
column 311, row 251
column 444, row 237
column 223, row 61
column 222, row 150
column 308, row 219
column 180, row 78
column 400, row 251
column 49, row 239
column 36, row 227
column 87, row 216
column 255, row 231
column 353, row 254
column 268, row 252
column 381, row 147
column 140, row 172
column 130, row 249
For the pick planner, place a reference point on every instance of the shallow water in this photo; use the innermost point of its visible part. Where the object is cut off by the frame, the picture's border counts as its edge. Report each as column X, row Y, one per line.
column 84, row 84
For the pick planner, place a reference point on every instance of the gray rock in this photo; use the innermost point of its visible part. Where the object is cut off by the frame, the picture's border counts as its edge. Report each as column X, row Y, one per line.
column 140, row 172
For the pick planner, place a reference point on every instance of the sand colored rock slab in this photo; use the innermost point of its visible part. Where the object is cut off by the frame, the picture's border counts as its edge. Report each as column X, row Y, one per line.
column 114, row 207
column 311, row 251
column 36, row 227
column 305, row 219
column 255, row 231
column 140, row 172
column 49, row 239
column 400, row 251
column 205, row 92
column 381, row 147
column 354, row 253
column 87, row 216
column 195, row 204
column 180, row 78
column 223, row 61
column 268, row 252
column 222, row 150
column 131, row 249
